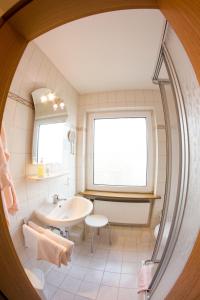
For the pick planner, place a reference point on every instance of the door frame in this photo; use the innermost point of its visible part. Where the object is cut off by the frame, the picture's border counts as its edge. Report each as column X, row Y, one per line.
column 16, row 30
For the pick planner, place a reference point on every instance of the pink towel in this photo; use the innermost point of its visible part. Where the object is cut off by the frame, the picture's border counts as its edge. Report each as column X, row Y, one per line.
column 6, row 185
column 69, row 245
column 44, row 247
column 51, row 251
column 145, row 277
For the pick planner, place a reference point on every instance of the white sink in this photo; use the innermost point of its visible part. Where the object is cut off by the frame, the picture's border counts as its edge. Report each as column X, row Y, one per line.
column 65, row 213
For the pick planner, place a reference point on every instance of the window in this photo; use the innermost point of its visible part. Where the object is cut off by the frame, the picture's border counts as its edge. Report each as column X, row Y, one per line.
column 119, row 151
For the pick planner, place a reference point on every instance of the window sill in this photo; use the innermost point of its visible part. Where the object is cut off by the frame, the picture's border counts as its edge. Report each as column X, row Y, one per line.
column 119, row 196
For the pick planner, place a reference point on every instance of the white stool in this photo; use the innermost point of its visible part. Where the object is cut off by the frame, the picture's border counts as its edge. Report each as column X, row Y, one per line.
column 97, row 222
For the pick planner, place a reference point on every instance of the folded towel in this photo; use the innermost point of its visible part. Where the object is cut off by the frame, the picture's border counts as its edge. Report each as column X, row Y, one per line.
column 47, row 245
column 145, row 277
column 43, row 247
column 51, row 251
column 31, row 239
column 69, row 245
column 6, row 185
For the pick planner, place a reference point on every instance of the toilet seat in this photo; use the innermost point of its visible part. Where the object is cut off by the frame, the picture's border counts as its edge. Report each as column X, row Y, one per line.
column 156, row 231
column 36, row 277
column 165, row 233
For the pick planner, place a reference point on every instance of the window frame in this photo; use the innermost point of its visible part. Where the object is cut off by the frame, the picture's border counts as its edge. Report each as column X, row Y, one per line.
column 89, row 171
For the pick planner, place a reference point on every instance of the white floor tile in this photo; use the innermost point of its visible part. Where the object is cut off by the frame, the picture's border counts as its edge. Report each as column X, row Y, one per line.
column 128, row 294
column 97, row 264
column 63, row 268
column 117, row 244
column 88, row 290
column 128, row 281
column 86, row 251
column 82, row 260
column 49, row 291
column 101, row 253
column 107, row 293
column 113, row 266
column 111, row 279
column 77, row 297
column 130, row 245
column 136, row 231
column 55, row 277
column 130, row 256
column 78, row 272
column 71, row 284
column 94, row 276
column 62, row 295
column 130, row 267
column 148, row 245
column 115, row 255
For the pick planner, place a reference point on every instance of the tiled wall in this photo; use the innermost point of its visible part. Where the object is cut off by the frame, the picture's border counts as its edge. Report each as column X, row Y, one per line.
column 35, row 70
column 191, row 221
column 144, row 99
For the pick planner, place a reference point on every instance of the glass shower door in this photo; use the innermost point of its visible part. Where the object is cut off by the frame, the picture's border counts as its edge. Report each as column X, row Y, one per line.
column 172, row 167
column 177, row 165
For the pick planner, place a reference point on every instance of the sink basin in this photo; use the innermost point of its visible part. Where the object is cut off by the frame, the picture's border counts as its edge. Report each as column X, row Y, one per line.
column 65, row 213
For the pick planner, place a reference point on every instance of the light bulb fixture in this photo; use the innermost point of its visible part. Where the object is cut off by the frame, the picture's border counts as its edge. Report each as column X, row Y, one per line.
column 62, row 105
column 43, row 99
column 51, row 96
column 55, row 106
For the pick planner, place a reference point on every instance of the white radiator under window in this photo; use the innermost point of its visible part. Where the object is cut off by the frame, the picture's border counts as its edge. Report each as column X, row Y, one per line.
column 124, row 212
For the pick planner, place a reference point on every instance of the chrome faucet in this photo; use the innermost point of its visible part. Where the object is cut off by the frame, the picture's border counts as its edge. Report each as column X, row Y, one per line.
column 56, row 199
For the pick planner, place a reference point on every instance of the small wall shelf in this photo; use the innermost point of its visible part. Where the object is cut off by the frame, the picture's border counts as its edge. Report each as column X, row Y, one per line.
column 53, row 175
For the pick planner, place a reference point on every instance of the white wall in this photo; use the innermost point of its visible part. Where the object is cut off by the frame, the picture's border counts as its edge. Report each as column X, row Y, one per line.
column 191, row 221
column 145, row 99
column 35, row 70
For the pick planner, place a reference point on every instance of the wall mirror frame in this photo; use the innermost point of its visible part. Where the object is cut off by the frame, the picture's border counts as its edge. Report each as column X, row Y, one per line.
column 49, row 126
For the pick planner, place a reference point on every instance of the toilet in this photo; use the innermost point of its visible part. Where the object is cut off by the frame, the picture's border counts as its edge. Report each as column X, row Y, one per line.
column 36, row 277
column 156, row 229
column 165, row 233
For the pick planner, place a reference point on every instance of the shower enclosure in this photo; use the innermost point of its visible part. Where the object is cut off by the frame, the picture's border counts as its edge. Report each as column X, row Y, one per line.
column 176, row 168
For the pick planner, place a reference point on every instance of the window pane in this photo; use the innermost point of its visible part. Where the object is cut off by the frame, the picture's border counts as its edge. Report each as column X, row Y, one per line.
column 50, row 143
column 120, row 151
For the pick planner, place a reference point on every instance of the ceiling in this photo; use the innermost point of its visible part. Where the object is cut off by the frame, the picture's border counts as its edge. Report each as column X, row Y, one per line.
column 105, row 52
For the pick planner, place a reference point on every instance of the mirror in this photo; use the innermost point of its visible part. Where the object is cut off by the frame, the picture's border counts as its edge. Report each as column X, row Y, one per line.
column 49, row 127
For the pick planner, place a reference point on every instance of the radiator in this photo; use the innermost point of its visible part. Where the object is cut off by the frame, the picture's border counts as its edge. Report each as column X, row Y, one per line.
column 124, row 212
